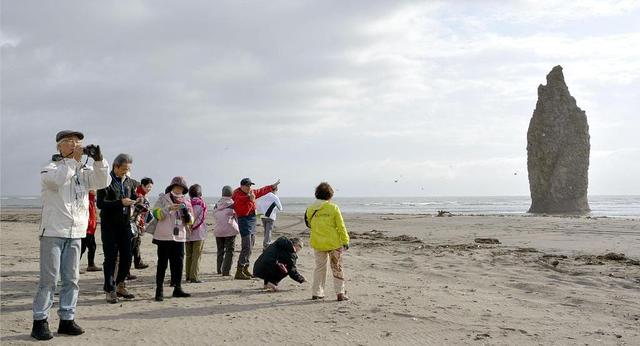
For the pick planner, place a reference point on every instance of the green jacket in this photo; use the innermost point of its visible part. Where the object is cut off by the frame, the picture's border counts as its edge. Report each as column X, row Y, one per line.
column 327, row 226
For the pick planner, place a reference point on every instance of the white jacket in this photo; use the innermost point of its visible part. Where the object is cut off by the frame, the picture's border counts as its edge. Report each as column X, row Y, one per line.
column 268, row 205
column 65, row 196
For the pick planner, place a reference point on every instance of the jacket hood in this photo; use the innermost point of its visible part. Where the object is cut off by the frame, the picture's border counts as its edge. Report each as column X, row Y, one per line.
column 224, row 202
column 318, row 204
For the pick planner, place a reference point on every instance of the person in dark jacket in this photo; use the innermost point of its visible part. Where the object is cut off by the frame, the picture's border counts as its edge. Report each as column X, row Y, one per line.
column 116, row 202
column 278, row 261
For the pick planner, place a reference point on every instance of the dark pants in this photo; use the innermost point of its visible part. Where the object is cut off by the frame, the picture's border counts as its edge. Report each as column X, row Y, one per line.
column 274, row 278
column 172, row 252
column 135, row 249
column 226, row 246
column 115, row 241
column 89, row 242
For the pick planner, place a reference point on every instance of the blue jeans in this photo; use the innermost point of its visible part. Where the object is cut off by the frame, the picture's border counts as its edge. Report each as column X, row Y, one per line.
column 58, row 255
column 247, row 226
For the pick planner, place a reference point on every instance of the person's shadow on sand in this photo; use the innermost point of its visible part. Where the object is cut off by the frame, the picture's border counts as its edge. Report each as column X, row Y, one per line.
column 170, row 312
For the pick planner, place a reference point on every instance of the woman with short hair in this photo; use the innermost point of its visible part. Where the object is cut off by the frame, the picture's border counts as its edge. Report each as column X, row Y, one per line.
column 329, row 240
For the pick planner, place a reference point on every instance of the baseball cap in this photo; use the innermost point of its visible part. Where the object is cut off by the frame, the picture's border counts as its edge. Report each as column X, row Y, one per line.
column 246, row 181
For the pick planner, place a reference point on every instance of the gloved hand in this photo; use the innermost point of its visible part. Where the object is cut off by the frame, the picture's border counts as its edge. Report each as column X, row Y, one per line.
column 98, row 154
column 346, row 246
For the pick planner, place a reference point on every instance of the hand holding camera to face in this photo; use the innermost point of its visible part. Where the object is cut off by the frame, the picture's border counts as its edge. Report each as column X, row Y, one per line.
column 93, row 151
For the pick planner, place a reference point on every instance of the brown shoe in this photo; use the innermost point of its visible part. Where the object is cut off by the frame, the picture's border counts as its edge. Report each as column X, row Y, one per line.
column 240, row 275
column 245, row 271
column 94, row 268
column 342, row 297
column 121, row 291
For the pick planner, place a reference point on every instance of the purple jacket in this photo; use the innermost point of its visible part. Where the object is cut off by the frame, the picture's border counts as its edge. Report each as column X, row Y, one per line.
column 226, row 223
column 167, row 219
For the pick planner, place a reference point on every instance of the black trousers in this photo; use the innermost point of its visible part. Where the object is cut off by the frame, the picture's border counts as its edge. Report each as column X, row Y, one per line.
column 115, row 241
column 135, row 249
column 89, row 242
column 172, row 252
column 226, row 246
column 273, row 277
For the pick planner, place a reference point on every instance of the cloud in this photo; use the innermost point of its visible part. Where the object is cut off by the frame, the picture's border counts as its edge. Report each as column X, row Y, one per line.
column 308, row 91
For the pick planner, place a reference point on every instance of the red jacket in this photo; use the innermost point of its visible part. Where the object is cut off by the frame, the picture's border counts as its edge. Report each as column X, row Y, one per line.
column 242, row 205
column 93, row 223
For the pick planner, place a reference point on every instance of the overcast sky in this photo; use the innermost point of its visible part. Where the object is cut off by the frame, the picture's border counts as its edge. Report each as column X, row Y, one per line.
column 434, row 95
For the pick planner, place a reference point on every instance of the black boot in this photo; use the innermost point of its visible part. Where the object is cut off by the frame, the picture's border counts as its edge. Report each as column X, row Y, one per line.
column 69, row 327
column 179, row 293
column 40, row 330
column 159, row 294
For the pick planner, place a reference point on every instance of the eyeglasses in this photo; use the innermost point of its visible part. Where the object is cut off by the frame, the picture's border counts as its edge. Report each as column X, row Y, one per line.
column 71, row 141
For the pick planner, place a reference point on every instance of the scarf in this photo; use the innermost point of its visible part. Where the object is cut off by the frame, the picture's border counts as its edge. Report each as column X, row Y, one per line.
column 199, row 201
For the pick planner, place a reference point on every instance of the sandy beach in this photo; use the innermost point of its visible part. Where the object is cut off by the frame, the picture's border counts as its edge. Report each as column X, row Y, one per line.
column 412, row 279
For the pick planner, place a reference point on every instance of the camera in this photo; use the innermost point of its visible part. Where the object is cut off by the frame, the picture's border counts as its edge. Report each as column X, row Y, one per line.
column 90, row 150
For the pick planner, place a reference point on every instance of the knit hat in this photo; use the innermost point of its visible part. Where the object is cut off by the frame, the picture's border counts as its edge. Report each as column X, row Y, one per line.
column 180, row 181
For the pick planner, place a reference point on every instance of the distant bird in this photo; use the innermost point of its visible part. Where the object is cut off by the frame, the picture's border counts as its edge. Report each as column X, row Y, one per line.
column 515, row 173
column 395, row 181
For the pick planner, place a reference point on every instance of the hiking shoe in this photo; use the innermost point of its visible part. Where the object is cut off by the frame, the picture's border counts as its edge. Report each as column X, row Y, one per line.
column 69, row 327
column 196, row 281
column 342, row 297
column 317, row 297
column 81, row 271
column 131, row 277
column 121, row 291
column 40, row 330
column 111, row 297
column 240, row 275
column 179, row 293
column 94, row 268
column 141, row 265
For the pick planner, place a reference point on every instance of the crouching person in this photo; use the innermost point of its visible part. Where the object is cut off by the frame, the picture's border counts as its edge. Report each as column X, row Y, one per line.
column 279, row 261
column 66, row 182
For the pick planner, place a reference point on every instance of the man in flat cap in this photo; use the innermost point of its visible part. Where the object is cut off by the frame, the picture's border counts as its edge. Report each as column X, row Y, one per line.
column 66, row 182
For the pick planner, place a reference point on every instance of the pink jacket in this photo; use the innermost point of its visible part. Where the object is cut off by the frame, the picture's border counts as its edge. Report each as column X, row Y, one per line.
column 226, row 224
column 167, row 219
column 200, row 214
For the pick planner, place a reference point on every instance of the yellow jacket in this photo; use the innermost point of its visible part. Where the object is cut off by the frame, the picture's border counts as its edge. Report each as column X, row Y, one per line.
column 327, row 226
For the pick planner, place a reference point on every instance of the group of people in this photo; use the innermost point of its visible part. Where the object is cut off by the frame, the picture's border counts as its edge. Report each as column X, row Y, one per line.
column 71, row 191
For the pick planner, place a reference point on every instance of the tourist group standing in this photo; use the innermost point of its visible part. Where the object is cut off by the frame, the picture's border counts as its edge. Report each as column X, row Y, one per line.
column 73, row 190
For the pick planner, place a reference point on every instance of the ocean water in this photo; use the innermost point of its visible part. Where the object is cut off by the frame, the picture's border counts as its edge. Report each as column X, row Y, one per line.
column 612, row 206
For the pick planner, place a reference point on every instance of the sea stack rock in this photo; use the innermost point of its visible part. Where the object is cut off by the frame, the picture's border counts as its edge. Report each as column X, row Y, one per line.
column 558, row 150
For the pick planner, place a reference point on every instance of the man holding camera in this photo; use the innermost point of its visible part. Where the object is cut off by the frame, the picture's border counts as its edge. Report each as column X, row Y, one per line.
column 66, row 182
column 116, row 202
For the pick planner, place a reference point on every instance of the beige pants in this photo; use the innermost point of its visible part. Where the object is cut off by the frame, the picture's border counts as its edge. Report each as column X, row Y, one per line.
column 320, row 273
column 192, row 262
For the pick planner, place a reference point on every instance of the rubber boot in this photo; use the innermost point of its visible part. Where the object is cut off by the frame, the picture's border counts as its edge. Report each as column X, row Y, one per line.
column 240, row 275
column 246, row 272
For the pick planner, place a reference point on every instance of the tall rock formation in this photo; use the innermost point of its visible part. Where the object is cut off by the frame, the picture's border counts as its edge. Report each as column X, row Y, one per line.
column 558, row 150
